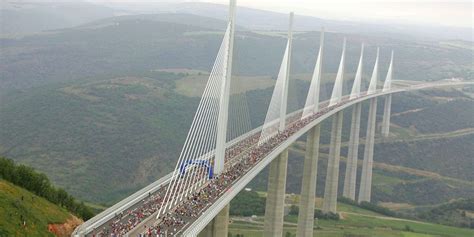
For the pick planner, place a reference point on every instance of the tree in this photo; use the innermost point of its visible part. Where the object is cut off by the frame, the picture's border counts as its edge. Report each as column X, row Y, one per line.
column 294, row 210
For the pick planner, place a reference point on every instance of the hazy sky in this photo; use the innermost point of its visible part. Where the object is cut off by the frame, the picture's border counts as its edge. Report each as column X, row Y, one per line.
column 433, row 12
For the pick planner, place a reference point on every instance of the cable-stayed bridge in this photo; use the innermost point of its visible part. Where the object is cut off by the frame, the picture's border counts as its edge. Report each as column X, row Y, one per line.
column 222, row 153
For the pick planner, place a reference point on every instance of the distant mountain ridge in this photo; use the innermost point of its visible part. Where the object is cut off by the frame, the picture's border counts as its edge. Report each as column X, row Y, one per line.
column 208, row 23
column 256, row 19
column 21, row 17
column 24, row 17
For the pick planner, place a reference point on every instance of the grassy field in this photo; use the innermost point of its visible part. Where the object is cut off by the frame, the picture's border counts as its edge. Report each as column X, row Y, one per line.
column 355, row 221
column 355, row 224
column 194, row 82
column 18, row 205
column 193, row 85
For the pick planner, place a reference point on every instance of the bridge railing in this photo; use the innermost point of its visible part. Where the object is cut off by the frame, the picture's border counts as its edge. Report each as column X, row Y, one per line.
column 197, row 226
column 119, row 207
column 128, row 202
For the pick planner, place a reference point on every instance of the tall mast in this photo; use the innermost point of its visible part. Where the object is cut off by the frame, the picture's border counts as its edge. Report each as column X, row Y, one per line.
column 224, row 96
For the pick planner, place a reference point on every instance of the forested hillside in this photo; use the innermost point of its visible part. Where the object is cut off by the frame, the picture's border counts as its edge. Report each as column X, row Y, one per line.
column 124, row 45
column 103, row 109
column 31, row 206
column 23, row 213
column 38, row 184
column 458, row 213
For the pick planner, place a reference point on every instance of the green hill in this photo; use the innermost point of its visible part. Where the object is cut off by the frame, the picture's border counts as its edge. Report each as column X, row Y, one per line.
column 23, row 213
column 456, row 213
column 355, row 221
column 39, row 184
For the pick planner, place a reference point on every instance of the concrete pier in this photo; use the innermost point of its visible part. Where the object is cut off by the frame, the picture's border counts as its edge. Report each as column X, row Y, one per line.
column 386, row 116
column 366, row 178
column 351, row 164
column 275, row 205
column 308, row 187
column 332, row 176
column 219, row 226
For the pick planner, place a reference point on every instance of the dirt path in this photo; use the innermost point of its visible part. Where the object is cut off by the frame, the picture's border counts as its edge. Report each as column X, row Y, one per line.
column 385, row 218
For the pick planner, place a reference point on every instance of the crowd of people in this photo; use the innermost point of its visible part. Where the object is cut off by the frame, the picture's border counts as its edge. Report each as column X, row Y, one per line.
column 249, row 153
column 189, row 210
column 124, row 222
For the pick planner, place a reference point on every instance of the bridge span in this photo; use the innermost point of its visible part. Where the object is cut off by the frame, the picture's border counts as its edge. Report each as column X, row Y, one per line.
column 194, row 226
column 292, row 133
column 194, row 199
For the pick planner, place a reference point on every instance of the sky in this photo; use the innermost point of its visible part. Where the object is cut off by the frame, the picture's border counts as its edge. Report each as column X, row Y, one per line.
column 433, row 12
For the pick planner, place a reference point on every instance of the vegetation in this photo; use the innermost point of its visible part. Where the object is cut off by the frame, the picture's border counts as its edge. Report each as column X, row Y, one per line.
column 368, row 206
column 294, row 210
column 446, row 93
column 143, row 43
column 446, row 156
column 39, row 184
column 23, row 213
column 247, row 203
column 355, row 221
column 457, row 213
column 357, row 225
column 394, row 183
column 439, row 118
column 109, row 135
column 326, row 216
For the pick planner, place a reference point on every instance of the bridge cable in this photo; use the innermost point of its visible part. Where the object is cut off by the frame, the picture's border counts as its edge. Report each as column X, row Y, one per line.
column 192, row 145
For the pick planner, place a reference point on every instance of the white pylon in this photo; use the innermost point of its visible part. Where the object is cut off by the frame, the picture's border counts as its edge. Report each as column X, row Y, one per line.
column 355, row 92
column 388, row 80
column 373, row 80
column 312, row 100
column 388, row 100
column 336, row 95
column 224, row 97
column 275, row 120
column 284, row 100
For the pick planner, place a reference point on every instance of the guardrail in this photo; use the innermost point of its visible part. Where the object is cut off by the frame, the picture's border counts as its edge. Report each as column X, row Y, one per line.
column 126, row 203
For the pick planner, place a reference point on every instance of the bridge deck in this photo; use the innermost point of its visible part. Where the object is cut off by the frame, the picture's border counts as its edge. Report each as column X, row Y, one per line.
column 241, row 157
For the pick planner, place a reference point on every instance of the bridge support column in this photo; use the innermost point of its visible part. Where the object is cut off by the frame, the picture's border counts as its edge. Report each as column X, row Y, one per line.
column 218, row 227
column 332, row 176
column 351, row 164
column 275, row 205
column 308, row 187
column 366, row 178
column 386, row 115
